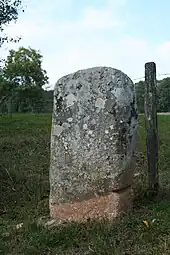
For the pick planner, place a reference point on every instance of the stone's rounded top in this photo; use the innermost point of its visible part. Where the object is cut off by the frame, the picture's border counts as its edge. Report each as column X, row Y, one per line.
column 105, row 72
column 94, row 89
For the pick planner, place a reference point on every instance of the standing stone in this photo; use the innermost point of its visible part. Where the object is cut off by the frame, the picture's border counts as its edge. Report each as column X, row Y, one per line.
column 93, row 142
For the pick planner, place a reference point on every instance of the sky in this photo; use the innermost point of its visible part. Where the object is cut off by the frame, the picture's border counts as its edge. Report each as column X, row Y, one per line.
column 77, row 34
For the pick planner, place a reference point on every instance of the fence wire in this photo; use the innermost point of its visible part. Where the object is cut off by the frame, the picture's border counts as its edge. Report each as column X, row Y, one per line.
column 158, row 75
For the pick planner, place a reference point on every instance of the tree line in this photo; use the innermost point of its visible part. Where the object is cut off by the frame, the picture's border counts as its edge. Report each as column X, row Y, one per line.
column 22, row 77
column 21, row 82
column 163, row 95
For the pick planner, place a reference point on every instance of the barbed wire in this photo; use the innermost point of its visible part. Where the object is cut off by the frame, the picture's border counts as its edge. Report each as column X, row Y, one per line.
column 158, row 75
column 138, row 78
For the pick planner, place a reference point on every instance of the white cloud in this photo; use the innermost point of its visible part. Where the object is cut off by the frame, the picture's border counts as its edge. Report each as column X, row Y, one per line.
column 99, row 19
column 96, row 38
column 164, row 50
column 27, row 29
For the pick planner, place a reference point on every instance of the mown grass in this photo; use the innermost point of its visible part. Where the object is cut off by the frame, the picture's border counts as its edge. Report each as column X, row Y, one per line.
column 24, row 190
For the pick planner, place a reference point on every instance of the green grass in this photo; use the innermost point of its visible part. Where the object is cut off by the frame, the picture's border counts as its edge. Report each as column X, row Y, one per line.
column 24, row 191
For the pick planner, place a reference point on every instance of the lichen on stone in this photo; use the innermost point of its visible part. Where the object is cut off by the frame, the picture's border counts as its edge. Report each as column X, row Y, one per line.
column 94, row 133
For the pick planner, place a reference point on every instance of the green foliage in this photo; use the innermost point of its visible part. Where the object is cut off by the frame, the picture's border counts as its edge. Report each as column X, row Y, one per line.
column 48, row 95
column 23, row 67
column 140, row 91
column 163, row 95
column 23, row 78
column 5, row 94
column 9, row 10
column 24, row 189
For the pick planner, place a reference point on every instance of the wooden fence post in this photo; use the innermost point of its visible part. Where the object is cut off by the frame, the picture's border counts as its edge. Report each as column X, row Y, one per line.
column 151, row 126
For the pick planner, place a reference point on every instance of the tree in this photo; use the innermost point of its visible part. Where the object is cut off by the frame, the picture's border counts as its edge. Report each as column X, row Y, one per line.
column 25, row 77
column 7, row 96
column 30, row 100
column 140, row 91
column 9, row 10
column 48, row 95
column 23, row 67
column 3, row 86
column 164, row 95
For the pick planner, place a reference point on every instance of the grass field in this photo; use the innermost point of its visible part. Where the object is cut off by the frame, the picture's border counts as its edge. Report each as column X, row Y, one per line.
column 24, row 190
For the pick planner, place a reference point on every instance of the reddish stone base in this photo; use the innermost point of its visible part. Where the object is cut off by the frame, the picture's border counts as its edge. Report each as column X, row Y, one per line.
column 108, row 207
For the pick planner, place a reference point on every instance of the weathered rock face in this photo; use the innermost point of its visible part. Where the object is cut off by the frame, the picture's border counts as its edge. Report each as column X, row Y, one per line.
column 93, row 140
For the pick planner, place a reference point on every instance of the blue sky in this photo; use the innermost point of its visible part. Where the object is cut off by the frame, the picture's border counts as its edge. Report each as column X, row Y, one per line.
column 77, row 34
